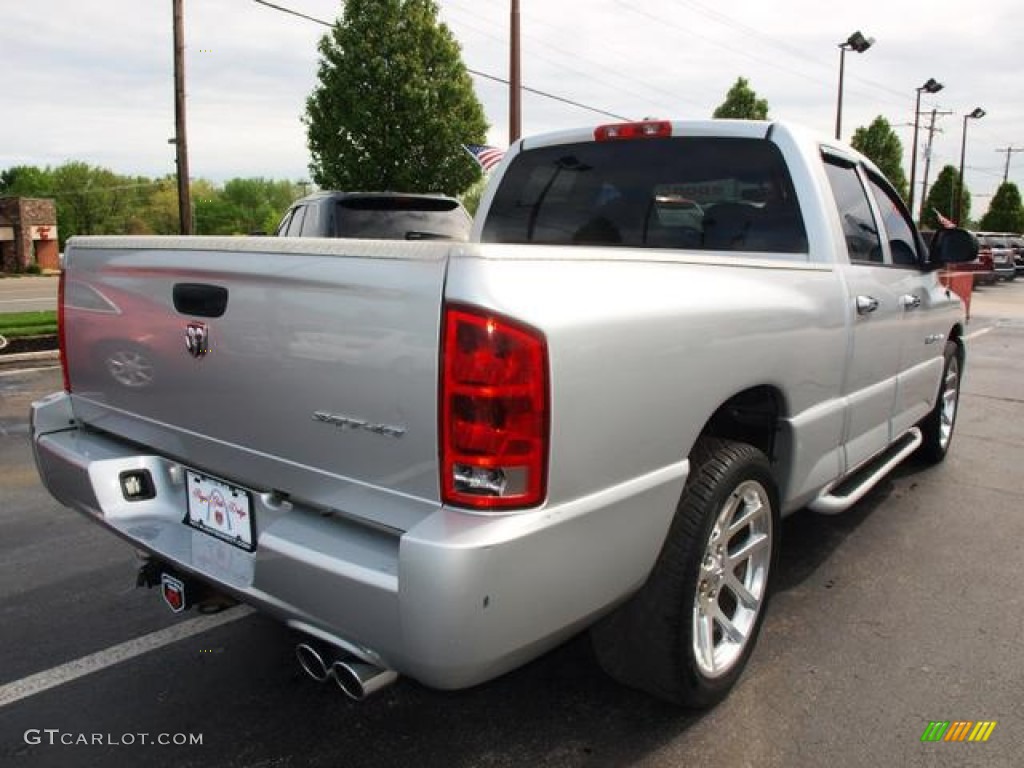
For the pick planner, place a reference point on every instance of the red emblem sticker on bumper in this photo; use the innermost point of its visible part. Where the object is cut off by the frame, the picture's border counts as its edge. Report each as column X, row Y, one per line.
column 173, row 591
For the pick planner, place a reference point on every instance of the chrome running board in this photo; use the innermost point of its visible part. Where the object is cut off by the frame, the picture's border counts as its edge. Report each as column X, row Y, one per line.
column 843, row 494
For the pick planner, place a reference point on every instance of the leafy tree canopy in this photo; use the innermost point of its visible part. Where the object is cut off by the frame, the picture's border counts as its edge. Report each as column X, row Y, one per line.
column 880, row 143
column 1005, row 213
column 741, row 102
column 25, row 181
column 942, row 198
column 394, row 103
column 95, row 200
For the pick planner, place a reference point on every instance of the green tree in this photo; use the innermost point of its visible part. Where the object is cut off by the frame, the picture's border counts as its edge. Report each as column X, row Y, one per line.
column 256, row 205
column 741, row 102
column 157, row 207
column 880, row 143
column 394, row 103
column 942, row 199
column 211, row 214
column 1005, row 213
column 471, row 197
column 26, row 181
column 92, row 200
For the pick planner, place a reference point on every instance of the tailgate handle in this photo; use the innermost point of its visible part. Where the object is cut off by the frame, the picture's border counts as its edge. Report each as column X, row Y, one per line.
column 200, row 299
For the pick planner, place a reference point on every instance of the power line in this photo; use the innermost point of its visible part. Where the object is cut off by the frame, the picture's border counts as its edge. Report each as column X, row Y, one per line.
column 282, row 9
column 1009, row 151
column 591, row 64
column 477, row 73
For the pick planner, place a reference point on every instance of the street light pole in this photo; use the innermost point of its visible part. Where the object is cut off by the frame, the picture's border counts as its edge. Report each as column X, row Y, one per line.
column 858, row 43
column 931, row 86
column 976, row 114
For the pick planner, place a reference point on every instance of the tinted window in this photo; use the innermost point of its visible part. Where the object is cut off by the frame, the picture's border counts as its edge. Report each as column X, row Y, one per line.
column 295, row 225
column 401, row 218
column 311, row 224
column 895, row 221
column 282, row 228
column 708, row 193
column 858, row 224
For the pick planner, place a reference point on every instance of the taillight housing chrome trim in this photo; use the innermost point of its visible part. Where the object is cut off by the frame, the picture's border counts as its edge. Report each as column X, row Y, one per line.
column 494, row 428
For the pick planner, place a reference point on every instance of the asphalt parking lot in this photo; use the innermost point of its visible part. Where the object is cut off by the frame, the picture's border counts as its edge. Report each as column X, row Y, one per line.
column 905, row 610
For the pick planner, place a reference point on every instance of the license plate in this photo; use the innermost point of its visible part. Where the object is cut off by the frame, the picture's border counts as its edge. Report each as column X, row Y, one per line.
column 220, row 509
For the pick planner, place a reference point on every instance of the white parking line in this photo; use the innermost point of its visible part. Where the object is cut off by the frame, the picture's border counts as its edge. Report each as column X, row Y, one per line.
column 65, row 673
column 980, row 332
column 28, row 370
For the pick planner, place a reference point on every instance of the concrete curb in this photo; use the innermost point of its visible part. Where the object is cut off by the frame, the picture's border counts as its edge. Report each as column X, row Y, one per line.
column 29, row 359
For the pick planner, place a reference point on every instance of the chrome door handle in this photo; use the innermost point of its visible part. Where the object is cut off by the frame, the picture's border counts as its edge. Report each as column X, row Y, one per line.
column 910, row 301
column 866, row 304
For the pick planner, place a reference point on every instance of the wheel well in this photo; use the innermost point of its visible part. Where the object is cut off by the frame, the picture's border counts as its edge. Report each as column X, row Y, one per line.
column 751, row 417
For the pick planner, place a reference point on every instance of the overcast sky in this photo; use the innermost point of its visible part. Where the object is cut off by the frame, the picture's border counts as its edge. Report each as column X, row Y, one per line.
column 92, row 81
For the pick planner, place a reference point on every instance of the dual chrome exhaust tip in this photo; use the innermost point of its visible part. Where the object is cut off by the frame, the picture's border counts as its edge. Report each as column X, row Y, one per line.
column 356, row 678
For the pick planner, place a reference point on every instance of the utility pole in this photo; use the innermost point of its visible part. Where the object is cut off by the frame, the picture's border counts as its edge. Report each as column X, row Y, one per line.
column 1009, row 151
column 515, row 91
column 928, row 162
column 180, row 140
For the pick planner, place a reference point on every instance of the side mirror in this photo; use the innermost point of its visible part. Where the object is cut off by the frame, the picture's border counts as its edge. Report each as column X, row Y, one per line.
column 952, row 246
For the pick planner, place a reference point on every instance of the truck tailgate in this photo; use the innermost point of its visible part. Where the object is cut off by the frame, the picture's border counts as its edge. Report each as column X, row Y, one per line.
column 305, row 367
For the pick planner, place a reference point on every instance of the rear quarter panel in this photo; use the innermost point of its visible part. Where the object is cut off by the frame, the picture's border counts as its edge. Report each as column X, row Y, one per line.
column 645, row 346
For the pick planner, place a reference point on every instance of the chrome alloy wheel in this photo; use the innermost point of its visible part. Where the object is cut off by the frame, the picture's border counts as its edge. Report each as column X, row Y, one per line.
column 733, row 579
column 950, row 399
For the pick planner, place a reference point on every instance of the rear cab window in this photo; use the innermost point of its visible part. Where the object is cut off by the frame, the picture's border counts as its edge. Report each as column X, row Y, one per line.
column 708, row 193
column 401, row 218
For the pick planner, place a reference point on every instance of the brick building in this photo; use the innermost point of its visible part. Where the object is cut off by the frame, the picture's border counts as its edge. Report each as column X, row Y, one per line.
column 28, row 234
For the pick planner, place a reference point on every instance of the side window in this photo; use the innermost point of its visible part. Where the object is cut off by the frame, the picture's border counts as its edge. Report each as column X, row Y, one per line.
column 862, row 240
column 311, row 224
column 295, row 225
column 896, row 223
column 282, row 228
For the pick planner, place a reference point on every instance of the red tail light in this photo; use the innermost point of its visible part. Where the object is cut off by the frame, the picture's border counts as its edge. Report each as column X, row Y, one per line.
column 648, row 129
column 494, row 412
column 62, row 331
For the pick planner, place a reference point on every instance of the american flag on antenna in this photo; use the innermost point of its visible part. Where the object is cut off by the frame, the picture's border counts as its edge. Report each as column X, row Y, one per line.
column 943, row 221
column 487, row 157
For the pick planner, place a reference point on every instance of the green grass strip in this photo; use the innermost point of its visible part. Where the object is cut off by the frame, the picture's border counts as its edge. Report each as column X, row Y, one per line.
column 16, row 332
column 10, row 320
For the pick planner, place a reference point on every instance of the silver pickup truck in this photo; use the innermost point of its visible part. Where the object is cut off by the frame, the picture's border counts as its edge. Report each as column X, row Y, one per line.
column 442, row 459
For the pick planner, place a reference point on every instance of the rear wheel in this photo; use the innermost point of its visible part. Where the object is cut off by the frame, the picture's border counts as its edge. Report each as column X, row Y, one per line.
column 686, row 636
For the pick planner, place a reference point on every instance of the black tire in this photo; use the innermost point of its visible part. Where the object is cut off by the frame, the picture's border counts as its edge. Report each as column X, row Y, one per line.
column 655, row 642
column 937, row 426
